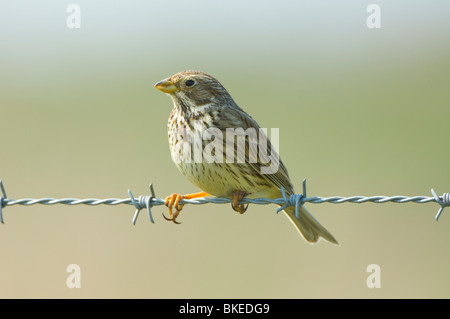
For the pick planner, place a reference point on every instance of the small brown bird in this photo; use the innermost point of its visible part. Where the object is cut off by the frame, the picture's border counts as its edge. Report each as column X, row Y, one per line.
column 201, row 104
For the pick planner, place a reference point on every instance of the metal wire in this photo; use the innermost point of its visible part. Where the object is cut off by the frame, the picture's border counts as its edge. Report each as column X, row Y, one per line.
column 293, row 200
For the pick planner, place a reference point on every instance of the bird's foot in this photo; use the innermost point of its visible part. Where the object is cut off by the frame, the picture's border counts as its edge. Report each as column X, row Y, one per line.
column 240, row 208
column 174, row 201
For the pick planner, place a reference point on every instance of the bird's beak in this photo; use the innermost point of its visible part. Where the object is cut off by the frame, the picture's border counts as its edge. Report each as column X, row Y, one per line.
column 166, row 86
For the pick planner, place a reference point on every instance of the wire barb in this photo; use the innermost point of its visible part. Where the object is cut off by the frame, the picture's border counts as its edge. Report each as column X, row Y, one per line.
column 143, row 202
column 444, row 201
column 2, row 201
column 296, row 200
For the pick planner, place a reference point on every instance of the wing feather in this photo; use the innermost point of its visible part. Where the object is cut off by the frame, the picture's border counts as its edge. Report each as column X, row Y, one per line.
column 235, row 118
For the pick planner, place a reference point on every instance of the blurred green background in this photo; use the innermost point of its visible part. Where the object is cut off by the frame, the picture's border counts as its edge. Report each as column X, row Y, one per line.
column 361, row 112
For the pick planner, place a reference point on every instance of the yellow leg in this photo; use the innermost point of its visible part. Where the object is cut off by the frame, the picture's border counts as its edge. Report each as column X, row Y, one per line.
column 174, row 199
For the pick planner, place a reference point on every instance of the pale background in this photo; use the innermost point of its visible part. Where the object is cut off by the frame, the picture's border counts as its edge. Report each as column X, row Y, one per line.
column 361, row 112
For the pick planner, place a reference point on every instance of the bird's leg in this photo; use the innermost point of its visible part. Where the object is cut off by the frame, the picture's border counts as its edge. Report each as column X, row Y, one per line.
column 240, row 208
column 173, row 201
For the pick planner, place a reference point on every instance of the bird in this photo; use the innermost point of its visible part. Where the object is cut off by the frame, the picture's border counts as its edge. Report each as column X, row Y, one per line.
column 201, row 104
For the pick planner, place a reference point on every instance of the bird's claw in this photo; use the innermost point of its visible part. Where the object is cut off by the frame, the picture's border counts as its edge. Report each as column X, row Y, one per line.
column 171, row 219
column 239, row 208
column 172, row 201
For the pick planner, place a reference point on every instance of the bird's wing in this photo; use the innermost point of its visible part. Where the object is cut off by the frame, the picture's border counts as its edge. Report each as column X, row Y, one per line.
column 261, row 155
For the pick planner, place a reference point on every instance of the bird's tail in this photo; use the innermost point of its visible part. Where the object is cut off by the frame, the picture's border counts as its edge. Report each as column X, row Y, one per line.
column 308, row 226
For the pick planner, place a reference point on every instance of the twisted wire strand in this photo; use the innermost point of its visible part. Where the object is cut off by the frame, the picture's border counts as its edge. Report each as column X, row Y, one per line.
column 293, row 200
column 67, row 201
column 220, row 200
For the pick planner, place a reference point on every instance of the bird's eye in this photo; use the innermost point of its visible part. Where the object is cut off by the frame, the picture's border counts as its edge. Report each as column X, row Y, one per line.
column 190, row 82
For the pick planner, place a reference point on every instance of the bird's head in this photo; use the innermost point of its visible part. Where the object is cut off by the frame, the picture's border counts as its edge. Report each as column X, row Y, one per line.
column 191, row 90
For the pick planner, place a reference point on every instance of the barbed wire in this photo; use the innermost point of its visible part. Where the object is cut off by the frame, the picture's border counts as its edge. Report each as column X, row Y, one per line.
column 296, row 200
